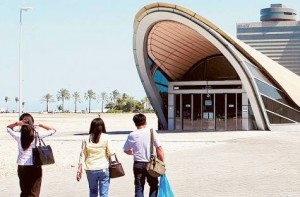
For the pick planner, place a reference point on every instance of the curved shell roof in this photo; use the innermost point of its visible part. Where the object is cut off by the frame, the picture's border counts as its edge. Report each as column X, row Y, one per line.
column 175, row 48
column 175, row 58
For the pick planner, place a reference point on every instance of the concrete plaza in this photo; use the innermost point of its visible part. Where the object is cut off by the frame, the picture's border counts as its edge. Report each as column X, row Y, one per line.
column 251, row 163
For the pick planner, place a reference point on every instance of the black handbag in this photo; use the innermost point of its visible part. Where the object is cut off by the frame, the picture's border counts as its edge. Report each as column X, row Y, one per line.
column 115, row 168
column 42, row 154
column 155, row 167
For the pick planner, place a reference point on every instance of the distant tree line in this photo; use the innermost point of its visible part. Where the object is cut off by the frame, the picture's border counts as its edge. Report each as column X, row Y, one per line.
column 113, row 102
column 7, row 99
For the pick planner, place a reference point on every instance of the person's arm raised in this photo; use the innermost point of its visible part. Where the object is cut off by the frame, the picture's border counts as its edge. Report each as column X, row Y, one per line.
column 49, row 130
column 45, row 127
column 19, row 123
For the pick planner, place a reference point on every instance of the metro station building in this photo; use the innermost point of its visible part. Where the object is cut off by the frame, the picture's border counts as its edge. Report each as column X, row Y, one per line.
column 197, row 77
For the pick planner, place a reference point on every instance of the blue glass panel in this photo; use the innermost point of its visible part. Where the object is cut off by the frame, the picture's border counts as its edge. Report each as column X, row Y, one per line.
column 150, row 63
column 160, row 78
column 161, row 88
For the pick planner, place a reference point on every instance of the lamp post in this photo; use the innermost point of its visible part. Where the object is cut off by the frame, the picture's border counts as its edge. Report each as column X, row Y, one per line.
column 20, row 60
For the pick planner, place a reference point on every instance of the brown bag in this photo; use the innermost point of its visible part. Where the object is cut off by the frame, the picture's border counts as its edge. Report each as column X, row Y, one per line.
column 155, row 167
column 115, row 168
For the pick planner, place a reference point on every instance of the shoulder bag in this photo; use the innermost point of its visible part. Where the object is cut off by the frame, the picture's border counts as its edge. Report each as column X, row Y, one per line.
column 42, row 154
column 155, row 167
column 115, row 167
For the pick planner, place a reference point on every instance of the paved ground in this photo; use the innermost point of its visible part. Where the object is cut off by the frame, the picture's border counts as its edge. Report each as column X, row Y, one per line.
column 198, row 164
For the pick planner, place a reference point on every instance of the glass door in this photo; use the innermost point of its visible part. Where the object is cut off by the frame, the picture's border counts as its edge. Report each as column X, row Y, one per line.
column 197, row 108
column 178, row 112
column 220, row 112
column 239, row 112
column 187, row 111
column 231, row 112
column 208, row 107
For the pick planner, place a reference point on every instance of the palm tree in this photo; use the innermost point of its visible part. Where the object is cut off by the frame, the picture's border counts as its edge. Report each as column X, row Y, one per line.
column 115, row 95
column 6, row 100
column 125, row 96
column 17, row 100
column 146, row 103
column 63, row 94
column 89, row 96
column 103, row 100
column 23, row 104
column 48, row 98
column 77, row 99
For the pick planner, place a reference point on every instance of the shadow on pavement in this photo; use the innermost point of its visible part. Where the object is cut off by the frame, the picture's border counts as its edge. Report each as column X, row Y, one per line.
column 108, row 132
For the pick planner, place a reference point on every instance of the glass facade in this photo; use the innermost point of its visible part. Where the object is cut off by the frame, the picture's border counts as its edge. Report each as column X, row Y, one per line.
column 159, row 77
column 209, row 112
column 215, row 68
column 203, row 111
column 161, row 84
column 280, row 109
column 221, row 111
column 161, row 81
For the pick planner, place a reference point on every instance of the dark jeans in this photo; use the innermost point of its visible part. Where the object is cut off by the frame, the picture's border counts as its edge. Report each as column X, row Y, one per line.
column 30, row 180
column 140, row 174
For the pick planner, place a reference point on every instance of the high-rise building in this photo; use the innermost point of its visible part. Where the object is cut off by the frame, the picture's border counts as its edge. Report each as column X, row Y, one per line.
column 277, row 35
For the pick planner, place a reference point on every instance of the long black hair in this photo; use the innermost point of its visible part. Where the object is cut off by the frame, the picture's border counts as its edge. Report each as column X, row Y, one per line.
column 27, row 135
column 28, row 117
column 27, row 130
column 97, row 127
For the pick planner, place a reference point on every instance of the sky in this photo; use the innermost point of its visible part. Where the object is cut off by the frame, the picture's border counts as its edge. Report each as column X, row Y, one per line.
column 81, row 45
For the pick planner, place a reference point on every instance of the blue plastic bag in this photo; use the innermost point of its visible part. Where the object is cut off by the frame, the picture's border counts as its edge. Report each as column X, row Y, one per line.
column 164, row 187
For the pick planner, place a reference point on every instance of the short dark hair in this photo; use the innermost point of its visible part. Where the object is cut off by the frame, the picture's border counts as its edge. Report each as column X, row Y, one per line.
column 139, row 119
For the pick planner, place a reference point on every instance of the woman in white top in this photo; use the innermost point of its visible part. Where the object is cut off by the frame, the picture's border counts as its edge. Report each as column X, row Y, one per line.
column 30, row 175
column 96, row 148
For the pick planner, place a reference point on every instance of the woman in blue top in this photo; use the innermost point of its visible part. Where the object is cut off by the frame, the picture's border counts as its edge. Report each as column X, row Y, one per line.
column 30, row 176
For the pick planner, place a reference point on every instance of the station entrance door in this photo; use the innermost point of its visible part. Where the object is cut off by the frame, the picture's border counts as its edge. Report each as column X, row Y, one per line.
column 208, row 109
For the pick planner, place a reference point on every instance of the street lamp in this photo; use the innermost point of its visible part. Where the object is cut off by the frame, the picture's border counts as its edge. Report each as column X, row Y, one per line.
column 20, row 59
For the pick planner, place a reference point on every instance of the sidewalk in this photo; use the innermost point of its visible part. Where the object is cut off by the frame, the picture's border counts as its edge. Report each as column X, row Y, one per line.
column 198, row 164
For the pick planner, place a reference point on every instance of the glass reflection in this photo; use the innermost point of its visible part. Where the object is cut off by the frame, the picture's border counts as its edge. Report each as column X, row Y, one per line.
column 231, row 112
column 177, row 112
column 187, row 111
column 160, row 78
column 281, row 110
column 197, row 123
column 208, row 112
column 239, row 112
column 220, row 112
